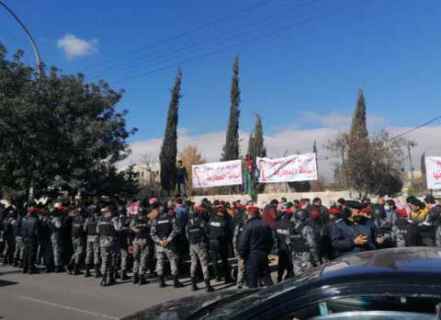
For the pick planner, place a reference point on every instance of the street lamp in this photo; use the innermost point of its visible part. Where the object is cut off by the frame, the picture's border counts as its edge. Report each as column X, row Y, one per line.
column 39, row 66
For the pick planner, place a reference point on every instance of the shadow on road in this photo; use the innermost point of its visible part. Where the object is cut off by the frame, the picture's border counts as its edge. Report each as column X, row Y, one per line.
column 10, row 272
column 4, row 283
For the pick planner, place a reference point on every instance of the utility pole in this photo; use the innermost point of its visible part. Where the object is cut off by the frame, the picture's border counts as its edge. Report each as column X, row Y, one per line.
column 410, row 145
column 38, row 64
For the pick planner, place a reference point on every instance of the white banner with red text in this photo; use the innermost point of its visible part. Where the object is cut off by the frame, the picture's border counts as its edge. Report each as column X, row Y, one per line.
column 433, row 172
column 299, row 167
column 217, row 174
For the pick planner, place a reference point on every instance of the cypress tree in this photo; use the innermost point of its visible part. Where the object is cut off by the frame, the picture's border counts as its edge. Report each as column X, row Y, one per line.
column 359, row 127
column 423, row 170
column 259, row 147
column 251, row 150
column 358, row 165
column 169, row 148
column 231, row 147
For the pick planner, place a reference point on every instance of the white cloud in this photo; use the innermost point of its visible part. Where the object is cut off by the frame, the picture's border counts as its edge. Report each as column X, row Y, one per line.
column 338, row 120
column 75, row 47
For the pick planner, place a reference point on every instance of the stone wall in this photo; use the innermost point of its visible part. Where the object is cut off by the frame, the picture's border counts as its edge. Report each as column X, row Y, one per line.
column 327, row 197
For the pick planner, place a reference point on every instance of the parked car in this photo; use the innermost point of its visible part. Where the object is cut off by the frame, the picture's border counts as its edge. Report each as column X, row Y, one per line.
column 399, row 283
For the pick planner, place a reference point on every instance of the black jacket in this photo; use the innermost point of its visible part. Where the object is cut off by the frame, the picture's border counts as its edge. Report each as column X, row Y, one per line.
column 30, row 228
column 256, row 236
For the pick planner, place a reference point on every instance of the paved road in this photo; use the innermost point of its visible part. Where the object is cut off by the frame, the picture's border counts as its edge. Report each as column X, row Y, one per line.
column 61, row 296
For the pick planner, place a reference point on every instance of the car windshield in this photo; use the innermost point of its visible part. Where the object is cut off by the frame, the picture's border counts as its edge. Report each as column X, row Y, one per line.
column 370, row 307
column 377, row 315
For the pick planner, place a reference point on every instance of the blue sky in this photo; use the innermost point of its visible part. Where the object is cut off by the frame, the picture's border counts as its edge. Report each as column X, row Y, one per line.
column 300, row 60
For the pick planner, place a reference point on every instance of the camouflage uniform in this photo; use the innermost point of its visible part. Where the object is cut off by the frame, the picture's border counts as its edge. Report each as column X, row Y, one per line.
column 238, row 229
column 92, row 244
column 56, row 223
column 385, row 230
column 164, row 228
column 399, row 232
column 196, row 232
column 19, row 244
column 304, row 247
column 124, row 236
column 141, row 247
column 78, row 242
column 107, row 228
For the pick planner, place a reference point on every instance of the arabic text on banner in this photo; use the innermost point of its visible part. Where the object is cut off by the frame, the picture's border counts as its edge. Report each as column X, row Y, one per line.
column 216, row 174
column 299, row 167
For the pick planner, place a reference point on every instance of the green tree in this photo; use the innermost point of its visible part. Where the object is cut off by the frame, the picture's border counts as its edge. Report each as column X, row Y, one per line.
column 109, row 181
column 231, row 147
column 256, row 140
column 423, row 170
column 358, row 165
column 251, row 145
column 368, row 165
column 169, row 148
column 55, row 130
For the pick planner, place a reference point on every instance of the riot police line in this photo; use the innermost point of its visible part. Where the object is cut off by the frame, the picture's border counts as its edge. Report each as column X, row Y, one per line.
column 103, row 240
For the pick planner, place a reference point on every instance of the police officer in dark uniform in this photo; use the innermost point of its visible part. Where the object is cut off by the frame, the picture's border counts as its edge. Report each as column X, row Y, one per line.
column 400, row 231
column 218, row 235
column 3, row 216
column 92, row 242
column 29, row 232
column 45, row 251
column 351, row 233
column 384, row 227
column 255, row 245
column 428, row 228
column 284, row 247
column 9, row 235
column 196, row 232
column 319, row 216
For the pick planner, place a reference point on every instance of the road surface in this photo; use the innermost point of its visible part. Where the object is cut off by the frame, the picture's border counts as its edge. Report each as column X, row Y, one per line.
column 62, row 296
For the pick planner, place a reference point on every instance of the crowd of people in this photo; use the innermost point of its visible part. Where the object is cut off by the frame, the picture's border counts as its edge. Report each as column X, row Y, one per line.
column 230, row 242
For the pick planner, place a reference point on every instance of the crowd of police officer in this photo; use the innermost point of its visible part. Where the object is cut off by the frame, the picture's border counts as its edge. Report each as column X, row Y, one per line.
column 229, row 242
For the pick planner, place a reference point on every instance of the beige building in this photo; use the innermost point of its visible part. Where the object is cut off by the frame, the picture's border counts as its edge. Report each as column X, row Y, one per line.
column 148, row 173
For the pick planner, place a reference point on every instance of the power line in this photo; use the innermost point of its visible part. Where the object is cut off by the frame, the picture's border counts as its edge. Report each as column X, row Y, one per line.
column 216, row 51
column 140, row 52
column 416, row 128
column 172, row 53
column 269, row 33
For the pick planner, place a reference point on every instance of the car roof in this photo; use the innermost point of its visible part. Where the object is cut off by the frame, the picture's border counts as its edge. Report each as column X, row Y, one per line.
column 420, row 261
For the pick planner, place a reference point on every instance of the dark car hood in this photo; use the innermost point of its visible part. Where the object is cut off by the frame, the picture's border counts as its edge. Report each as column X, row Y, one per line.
column 425, row 262
column 183, row 308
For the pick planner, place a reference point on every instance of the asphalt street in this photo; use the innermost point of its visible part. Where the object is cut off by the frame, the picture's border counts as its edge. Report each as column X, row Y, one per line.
column 62, row 296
